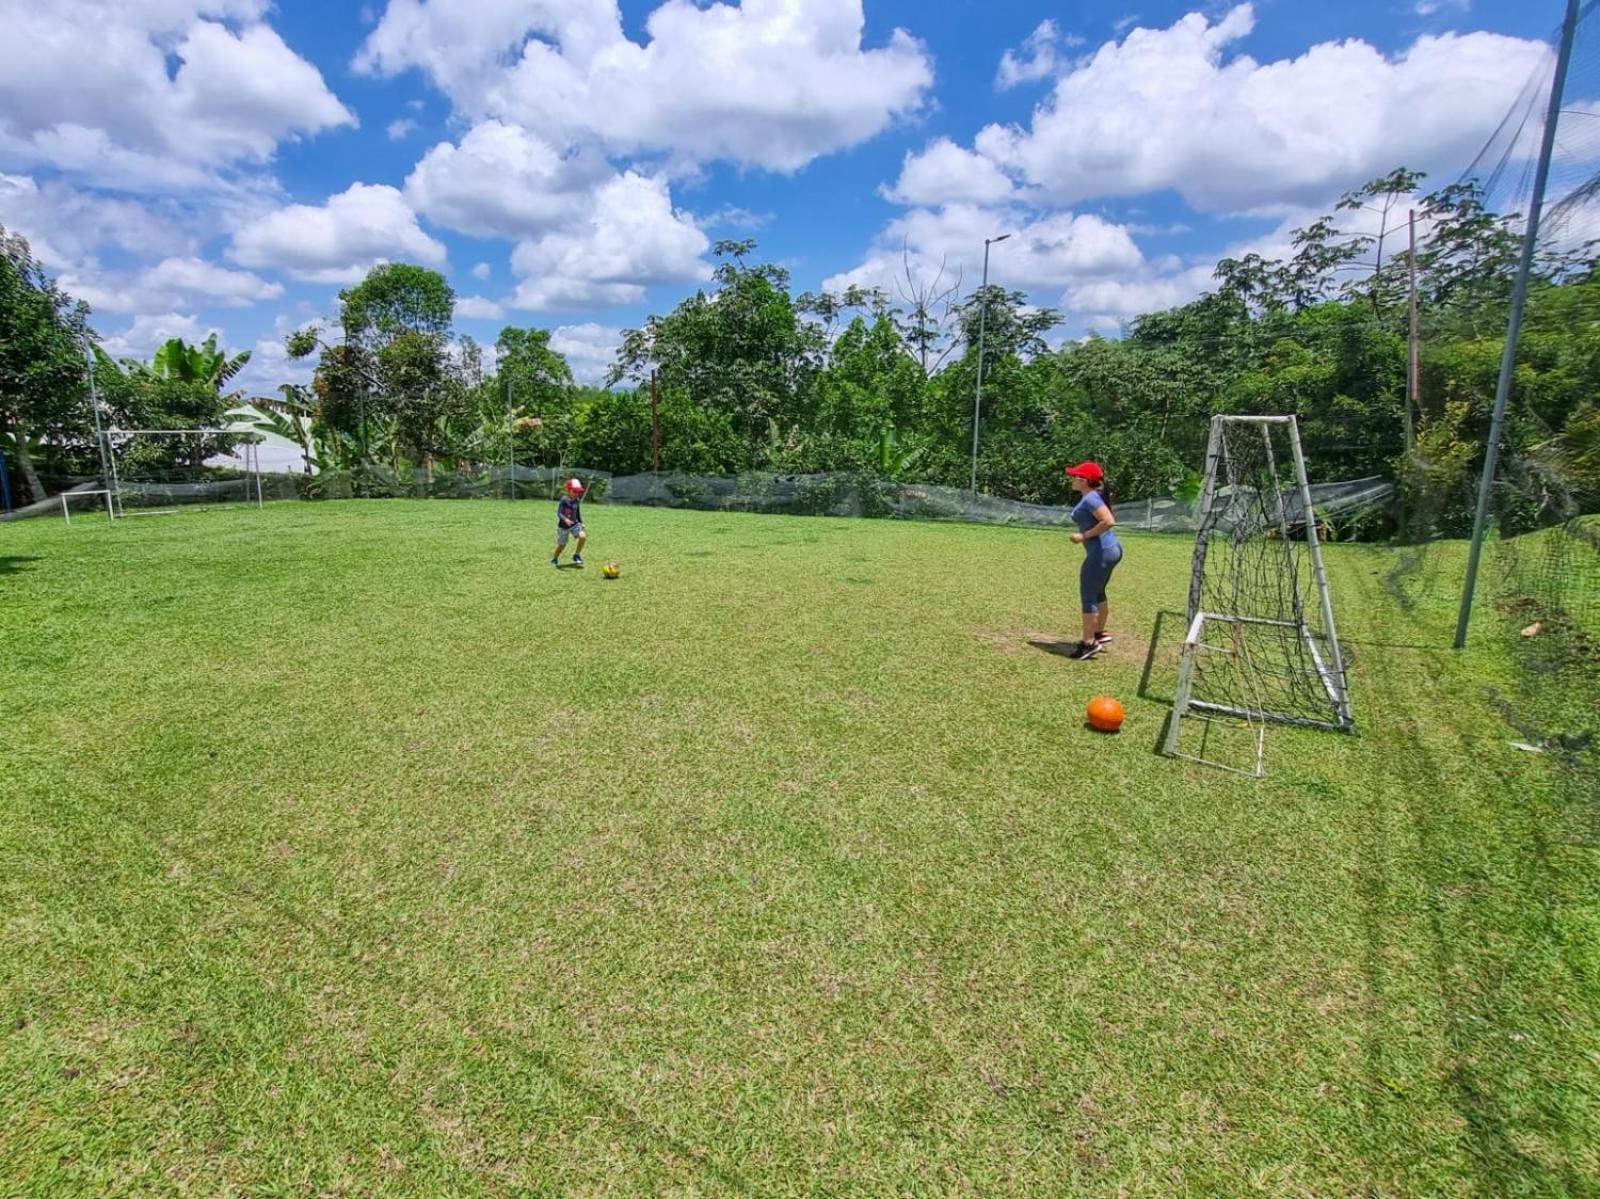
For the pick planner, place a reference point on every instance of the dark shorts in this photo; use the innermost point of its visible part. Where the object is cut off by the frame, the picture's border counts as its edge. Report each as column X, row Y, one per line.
column 1095, row 574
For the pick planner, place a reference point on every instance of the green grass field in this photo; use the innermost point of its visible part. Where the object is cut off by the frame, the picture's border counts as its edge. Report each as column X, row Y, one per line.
column 349, row 849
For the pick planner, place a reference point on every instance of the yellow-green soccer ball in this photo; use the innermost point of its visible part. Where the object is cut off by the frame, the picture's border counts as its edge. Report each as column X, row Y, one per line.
column 611, row 570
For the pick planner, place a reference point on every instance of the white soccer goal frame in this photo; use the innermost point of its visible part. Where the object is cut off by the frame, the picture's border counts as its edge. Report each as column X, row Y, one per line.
column 251, row 469
column 103, row 493
column 1330, row 665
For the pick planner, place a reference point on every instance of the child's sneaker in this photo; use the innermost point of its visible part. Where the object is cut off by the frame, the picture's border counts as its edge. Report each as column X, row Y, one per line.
column 556, row 562
column 1104, row 638
column 577, row 559
column 1086, row 649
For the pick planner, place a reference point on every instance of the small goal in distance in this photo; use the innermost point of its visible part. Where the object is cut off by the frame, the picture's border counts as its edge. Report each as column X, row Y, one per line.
column 1261, row 644
column 158, row 471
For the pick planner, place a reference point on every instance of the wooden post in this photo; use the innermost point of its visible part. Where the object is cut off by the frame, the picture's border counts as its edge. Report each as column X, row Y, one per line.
column 655, row 425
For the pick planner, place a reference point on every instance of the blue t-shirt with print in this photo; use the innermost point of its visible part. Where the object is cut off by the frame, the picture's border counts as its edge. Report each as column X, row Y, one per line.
column 569, row 512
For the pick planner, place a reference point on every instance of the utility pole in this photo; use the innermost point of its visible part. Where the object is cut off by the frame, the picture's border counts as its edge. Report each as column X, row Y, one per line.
column 511, row 442
column 1519, row 299
column 983, row 320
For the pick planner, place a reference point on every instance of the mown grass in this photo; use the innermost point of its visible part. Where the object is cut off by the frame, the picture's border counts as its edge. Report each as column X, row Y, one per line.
column 349, row 849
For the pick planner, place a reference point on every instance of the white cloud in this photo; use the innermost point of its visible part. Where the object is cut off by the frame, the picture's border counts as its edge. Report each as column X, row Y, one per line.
column 170, row 284
column 1428, row 8
column 270, row 367
column 401, row 129
column 339, row 241
column 588, row 348
column 945, row 173
column 146, row 333
column 1044, row 252
column 478, row 308
column 196, row 278
column 502, row 181
column 773, row 83
column 126, row 118
column 66, row 225
column 481, row 271
column 1169, row 108
column 1041, row 56
column 1103, row 303
column 731, row 216
column 631, row 238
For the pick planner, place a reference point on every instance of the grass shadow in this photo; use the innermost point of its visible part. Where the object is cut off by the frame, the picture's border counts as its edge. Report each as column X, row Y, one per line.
column 603, row 1102
column 15, row 564
column 1441, row 650
column 1153, row 655
column 1491, row 1047
column 1061, row 649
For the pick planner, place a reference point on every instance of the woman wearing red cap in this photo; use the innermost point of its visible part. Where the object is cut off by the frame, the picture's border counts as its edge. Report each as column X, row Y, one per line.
column 1102, row 551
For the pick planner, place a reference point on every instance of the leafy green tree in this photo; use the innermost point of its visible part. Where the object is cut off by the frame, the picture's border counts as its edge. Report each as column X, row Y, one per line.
column 740, row 350
column 871, row 383
column 392, row 369
column 1382, row 198
column 43, row 380
column 612, row 432
column 396, row 298
column 536, row 383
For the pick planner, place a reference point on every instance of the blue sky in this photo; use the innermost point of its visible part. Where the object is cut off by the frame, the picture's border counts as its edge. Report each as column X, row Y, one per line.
column 229, row 164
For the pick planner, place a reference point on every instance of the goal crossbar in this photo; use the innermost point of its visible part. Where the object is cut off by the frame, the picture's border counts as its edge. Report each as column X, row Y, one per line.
column 119, row 486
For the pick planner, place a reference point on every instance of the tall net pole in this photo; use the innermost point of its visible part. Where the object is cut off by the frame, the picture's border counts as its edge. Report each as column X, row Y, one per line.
column 100, row 440
column 1519, row 298
column 1414, row 348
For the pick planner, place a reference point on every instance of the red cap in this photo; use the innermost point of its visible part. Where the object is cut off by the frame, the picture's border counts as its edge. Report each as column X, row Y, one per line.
column 575, row 487
column 1088, row 471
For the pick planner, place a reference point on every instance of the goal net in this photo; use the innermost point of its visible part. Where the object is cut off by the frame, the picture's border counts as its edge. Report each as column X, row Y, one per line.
column 1261, row 646
column 162, row 470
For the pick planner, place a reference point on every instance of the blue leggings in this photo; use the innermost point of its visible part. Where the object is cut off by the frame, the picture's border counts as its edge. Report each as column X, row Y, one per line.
column 1095, row 574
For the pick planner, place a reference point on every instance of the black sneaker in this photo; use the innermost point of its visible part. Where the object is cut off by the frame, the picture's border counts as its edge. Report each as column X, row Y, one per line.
column 1086, row 649
column 577, row 559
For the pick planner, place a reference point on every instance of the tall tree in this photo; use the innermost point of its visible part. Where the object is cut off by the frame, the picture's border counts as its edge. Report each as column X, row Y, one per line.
column 43, row 378
column 396, row 298
column 393, row 367
column 1382, row 197
column 741, row 350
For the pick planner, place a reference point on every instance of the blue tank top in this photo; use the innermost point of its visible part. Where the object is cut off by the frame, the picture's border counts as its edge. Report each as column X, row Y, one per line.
column 1083, row 515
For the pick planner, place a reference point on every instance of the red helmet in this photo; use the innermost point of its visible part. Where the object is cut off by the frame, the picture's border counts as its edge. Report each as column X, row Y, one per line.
column 574, row 487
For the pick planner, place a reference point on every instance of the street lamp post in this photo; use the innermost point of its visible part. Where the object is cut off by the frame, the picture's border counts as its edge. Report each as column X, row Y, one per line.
column 983, row 315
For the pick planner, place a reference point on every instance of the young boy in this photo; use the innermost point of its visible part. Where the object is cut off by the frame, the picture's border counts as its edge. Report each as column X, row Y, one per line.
column 569, row 523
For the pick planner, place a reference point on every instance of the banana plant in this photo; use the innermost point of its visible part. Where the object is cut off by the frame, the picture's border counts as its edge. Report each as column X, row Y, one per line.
column 204, row 363
column 894, row 459
column 291, row 419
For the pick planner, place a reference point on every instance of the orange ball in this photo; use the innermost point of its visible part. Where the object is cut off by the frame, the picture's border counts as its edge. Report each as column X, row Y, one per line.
column 1105, row 714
